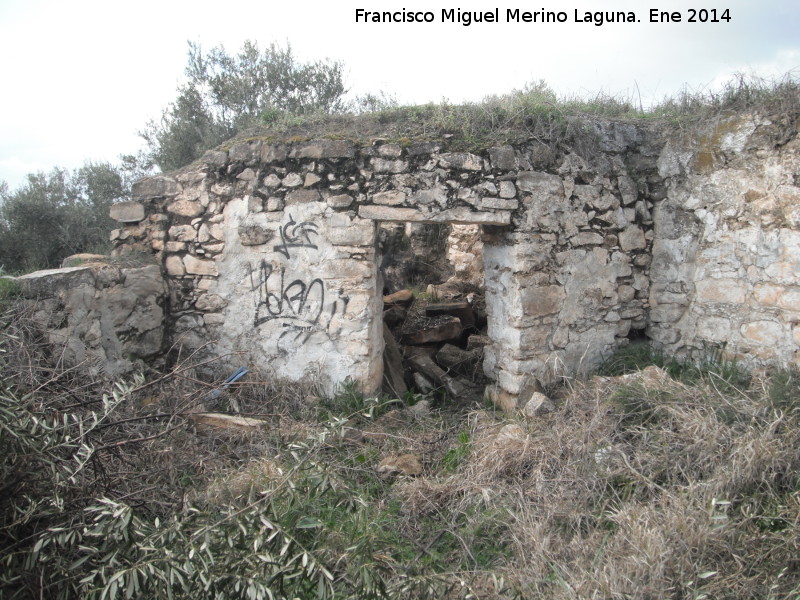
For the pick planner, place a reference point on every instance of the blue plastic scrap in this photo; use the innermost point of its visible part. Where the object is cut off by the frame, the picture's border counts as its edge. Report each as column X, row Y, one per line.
column 238, row 374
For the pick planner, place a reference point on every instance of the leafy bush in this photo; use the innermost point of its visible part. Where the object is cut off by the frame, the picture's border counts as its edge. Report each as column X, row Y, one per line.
column 84, row 516
column 57, row 214
column 227, row 93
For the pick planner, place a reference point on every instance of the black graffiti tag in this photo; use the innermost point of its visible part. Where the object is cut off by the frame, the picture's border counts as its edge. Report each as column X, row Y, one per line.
column 297, row 306
column 296, row 235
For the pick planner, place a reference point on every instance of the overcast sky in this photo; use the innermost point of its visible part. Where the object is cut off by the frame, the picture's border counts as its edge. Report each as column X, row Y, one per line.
column 81, row 77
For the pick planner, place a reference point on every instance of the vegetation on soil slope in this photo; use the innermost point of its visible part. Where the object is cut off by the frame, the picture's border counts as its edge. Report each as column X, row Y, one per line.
column 673, row 482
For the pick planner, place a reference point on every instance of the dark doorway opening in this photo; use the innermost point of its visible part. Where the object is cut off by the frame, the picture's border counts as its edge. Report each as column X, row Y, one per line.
column 434, row 312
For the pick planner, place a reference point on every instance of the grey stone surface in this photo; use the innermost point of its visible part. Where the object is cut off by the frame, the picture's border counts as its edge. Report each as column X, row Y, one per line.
column 127, row 212
column 109, row 319
column 653, row 232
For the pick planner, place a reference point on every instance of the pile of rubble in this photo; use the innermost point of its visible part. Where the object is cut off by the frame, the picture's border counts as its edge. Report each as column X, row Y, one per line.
column 435, row 343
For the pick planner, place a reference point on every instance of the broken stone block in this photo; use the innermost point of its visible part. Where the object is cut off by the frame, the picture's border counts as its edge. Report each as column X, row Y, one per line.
column 500, row 203
column 418, row 148
column 311, row 179
column 303, row 196
column 538, row 405
column 632, row 238
column 340, row 201
column 439, row 329
column 182, row 233
column 210, row 303
column 274, row 203
column 506, row 401
column 543, row 300
column 455, row 388
column 461, row 310
column 245, row 152
column 46, row 283
column 174, row 266
column 544, row 185
column 272, row 181
column 394, row 315
column 478, row 341
column 390, row 198
column 76, row 260
column 185, row 208
column 586, row 238
column 390, row 150
column 456, row 360
column 503, row 157
column 154, row 187
column 423, row 384
column 507, row 190
column 389, row 166
column 510, row 432
column 255, row 204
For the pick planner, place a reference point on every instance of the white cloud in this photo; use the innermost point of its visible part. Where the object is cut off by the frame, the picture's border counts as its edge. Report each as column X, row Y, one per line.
column 82, row 77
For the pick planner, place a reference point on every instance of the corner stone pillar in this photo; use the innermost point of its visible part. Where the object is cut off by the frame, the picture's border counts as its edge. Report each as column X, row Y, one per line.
column 521, row 300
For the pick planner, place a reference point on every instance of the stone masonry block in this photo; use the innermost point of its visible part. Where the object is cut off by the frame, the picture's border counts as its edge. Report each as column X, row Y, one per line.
column 127, row 212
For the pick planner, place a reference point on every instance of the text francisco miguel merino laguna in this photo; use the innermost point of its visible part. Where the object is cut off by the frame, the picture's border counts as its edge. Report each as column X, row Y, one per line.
column 515, row 15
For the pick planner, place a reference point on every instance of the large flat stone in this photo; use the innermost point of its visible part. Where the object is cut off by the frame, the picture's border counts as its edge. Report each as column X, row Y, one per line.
column 154, row 187
column 456, row 360
column 46, row 283
column 425, row 365
column 302, row 197
column 766, row 333
column 390, row 198
column 728, row 291
column 541, row 185
column 544, row 300
column 440, row 329
column 388, row 213
column 461, row 310
column 461, row 160
column 127, row 212
column 324, row 149
column 198, row 266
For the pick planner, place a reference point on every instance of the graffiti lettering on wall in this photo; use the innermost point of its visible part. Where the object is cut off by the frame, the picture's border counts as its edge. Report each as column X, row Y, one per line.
column 296, row 235
column 297, row 306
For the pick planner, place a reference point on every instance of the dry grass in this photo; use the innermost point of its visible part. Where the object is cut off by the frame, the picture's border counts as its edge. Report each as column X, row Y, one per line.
column 696, row 494
column 642, row 486
column 537, row 113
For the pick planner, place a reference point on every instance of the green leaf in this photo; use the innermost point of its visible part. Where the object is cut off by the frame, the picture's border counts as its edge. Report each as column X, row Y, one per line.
column 309, row 523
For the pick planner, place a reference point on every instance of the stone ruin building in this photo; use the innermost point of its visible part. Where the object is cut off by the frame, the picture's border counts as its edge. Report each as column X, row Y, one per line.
column 266, row 254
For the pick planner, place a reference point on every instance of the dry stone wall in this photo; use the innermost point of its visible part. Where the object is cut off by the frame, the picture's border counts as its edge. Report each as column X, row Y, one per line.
column 726, row 261
column 568, row 281
column 269, row 249
column 101, row 318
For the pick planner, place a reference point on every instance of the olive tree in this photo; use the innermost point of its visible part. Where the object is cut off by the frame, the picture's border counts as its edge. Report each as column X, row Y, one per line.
column 53, row 215
column 226, row 93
